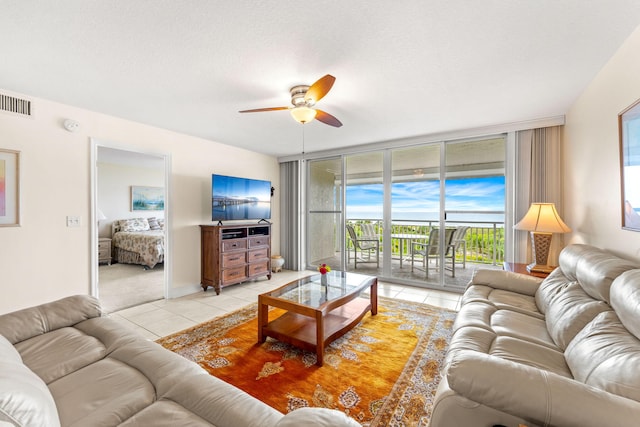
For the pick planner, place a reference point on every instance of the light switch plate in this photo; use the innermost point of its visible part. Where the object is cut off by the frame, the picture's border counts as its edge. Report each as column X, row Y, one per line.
column 73, row 221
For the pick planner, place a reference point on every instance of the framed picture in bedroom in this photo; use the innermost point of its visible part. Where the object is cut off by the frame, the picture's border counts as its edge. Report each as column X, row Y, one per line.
column 147, row 198
column 9, row 188
column 629, row 133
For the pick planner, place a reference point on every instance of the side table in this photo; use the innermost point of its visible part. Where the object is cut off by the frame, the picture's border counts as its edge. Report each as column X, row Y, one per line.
column 521, row 268
column 104, row 250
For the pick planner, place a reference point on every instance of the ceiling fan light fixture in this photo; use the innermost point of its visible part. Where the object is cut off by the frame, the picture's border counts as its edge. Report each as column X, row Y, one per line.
column 303, row 114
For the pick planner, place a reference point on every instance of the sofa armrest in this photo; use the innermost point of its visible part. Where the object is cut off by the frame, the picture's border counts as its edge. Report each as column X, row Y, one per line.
column 506, row 280
column 542, row 397
column 317, row 417
column 30, row 322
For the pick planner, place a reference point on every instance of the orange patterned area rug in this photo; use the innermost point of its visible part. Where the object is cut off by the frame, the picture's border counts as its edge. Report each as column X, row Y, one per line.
column 383, row 372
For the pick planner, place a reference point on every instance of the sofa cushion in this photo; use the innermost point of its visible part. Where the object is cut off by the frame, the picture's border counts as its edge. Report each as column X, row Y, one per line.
column 59, row 352
column 25, row 400
column 506, row 280
column 570, row 256
column 605, row 355
column 501, row 299
column 521, row 326
column 318, row 417
column 106, row 392
column 24, row 324
column 550, row 288
column 475, row 313
column 596, row 271
column 569, row 312
column 165, row 413
column 531, row 354
column 625, row 299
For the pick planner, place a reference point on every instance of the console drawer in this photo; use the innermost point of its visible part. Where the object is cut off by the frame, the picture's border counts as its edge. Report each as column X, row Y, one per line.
column 233, row 274
column 258, row 268
column 255, row 242
column 234, row 245
column 233, row 259
column 258, row 255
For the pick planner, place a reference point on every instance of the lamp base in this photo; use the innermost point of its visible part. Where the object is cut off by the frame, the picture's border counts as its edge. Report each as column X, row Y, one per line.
column 537, row 268
column 540, row 245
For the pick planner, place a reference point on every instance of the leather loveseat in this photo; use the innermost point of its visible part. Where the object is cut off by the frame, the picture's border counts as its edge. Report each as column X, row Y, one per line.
column 61, row 363
column 559, row 352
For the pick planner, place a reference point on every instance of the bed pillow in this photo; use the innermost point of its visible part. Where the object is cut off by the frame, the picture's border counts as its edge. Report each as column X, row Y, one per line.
column 134, row 224
column 25, row 399
column 153, row 224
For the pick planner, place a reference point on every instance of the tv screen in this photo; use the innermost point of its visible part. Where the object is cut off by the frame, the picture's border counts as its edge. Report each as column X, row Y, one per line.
column 234, row 198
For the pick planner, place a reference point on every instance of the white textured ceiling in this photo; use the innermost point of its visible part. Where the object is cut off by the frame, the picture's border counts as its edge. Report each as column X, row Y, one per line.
column 403, row 68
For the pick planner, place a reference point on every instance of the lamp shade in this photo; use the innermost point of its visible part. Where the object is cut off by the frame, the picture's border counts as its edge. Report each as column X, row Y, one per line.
column 543, row 218
column 303, row 114
column 101, row 216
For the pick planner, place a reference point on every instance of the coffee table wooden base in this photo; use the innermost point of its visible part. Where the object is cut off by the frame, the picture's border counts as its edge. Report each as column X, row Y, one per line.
column 312, row 329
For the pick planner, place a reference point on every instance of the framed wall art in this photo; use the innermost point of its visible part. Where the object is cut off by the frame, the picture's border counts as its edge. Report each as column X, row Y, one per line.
column 147, row 198
column 9, row 188
column 629, row 132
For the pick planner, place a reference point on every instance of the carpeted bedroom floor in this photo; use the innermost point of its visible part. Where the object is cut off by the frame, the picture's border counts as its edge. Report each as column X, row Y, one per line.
column 126, row 285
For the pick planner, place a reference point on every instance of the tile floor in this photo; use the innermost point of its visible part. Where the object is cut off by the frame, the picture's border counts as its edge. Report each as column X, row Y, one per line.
column 161, row 318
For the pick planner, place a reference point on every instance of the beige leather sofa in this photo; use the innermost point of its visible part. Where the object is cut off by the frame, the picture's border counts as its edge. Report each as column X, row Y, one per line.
column 61, row 363
column 559, row 352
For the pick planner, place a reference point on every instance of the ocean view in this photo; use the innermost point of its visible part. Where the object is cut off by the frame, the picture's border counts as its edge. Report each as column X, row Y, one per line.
column 470, row 200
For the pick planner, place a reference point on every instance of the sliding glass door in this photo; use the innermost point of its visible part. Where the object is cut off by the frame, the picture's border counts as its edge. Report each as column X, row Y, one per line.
column 415, row 213
column 324, row 212
column 364, row 196
column 423, row 215
column 474, row 204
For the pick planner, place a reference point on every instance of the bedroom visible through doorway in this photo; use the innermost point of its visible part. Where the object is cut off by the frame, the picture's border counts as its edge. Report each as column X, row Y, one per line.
column 130, row 233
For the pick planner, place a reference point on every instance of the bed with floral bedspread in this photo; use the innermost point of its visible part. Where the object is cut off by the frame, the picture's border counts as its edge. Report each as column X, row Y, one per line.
column 138, row 241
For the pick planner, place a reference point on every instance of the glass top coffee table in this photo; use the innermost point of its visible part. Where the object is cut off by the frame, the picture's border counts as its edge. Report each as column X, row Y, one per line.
column 317, row 314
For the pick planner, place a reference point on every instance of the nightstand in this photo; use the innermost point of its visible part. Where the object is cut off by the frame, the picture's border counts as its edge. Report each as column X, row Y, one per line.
column 521, row 268
column 104, row 250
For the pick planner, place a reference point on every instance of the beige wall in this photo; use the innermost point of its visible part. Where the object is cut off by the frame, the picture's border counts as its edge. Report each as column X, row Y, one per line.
column 43, row 259
column 591, row 157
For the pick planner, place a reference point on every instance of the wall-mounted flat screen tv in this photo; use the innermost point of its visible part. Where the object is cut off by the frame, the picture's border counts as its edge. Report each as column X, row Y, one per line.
column 234, row 198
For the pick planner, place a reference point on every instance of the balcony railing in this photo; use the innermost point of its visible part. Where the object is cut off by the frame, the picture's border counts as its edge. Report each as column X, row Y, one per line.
column 484, row 239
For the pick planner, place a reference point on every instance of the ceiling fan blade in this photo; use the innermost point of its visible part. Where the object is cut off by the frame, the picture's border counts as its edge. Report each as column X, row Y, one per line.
column 327, row 119
column 258, row 110
column 319, row 89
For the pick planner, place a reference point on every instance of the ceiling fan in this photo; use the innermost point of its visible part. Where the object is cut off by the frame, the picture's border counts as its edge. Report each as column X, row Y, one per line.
column 303, row 98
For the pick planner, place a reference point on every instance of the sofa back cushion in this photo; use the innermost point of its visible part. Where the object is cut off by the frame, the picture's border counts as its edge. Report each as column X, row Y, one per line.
column 550, row 288
column 605, row 355
column 25, row 400
column 569, row 312
column 596, row 271
column 564, row 275
column 575, row 293
column 30, row 322
column 625, row 300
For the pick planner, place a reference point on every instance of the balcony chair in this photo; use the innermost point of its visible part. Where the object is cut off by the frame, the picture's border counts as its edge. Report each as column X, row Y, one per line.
column 431, row 250
column 457, row 241
column 363, row 243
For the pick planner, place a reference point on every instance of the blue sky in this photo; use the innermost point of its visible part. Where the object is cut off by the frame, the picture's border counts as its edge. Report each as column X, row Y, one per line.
column 417, row 200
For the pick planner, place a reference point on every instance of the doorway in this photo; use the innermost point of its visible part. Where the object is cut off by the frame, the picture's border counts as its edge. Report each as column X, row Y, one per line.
column 130, row 263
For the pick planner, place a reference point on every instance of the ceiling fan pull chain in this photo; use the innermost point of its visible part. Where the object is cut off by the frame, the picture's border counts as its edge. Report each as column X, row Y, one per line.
column 303, row 142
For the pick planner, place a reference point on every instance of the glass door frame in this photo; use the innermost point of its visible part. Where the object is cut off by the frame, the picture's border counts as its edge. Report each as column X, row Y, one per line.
column 386, row 260
column 308, row 212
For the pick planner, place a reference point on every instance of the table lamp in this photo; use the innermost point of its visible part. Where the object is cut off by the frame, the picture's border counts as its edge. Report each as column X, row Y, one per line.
column 542, row 220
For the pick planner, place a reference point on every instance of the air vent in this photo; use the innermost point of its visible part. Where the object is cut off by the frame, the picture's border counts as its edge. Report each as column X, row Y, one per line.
column 14, row 105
